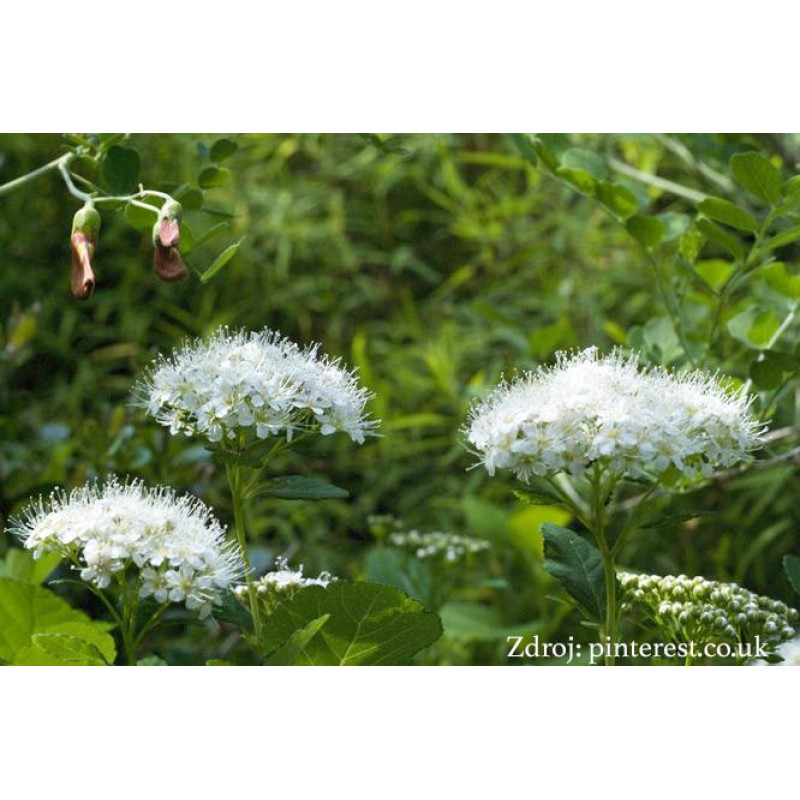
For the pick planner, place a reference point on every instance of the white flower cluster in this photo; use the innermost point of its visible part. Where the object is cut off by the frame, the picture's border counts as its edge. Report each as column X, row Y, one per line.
column 450, row 546
column 172, row 547
column 591, row 409
column 700, row 610
column 285, row 579
column 257, row 383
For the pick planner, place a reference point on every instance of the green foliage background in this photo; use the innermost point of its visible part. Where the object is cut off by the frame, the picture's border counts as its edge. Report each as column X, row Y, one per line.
column 435, row 264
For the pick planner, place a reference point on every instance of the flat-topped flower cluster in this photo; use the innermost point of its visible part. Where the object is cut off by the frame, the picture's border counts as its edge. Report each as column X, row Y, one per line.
column 171, row 546
column 259, row 384
column 591, row 409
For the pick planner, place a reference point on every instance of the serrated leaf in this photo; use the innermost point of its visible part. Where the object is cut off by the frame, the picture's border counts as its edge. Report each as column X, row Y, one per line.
column 647, row 231
column 475, row 622
column 26, row 610
column 368, row 624
column 792, row 566
column 404, row 571
column 20, row 565
column 222, row 149
column 120, row 169
column 728, row 214
column 292, row 652
column 59, row 649
column 757, row 175
column 577, row 565
column 221, row 260
column 299, row 487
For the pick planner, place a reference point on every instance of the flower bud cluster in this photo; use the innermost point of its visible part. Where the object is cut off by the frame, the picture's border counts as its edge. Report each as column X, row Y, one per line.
column 699, row 610
column 451, row 547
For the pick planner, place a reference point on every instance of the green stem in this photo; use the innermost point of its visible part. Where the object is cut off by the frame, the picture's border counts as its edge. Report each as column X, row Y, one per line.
column 9, row 187
column 237, row 496
column 600, row 498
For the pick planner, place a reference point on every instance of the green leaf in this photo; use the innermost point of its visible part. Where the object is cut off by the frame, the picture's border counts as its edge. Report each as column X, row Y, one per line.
column 222, row 149
column 661, row 340
column 139, row 218
column 59, row 650
column 754, row 326
column 26, row 610
column 524, row 144
column 92, row 633
column 577, row 566
column 211, row 233
column 404, row 571
column 151, row 661
column 757, row 175
column 586, row 161
column 538, row 492
column 368, row 624
column 231, row 609
column 726, row 240
column 22, row 566
column 620, row 200
column 121, row 167
column 675, row 225
column 583, row 181
column 475, row 622
column 783, row 238
column 190, row 197
column 714, row 272
column 647, row 231
column 221, row 260
column 792, row 566
column 728, row 214
column 293, row 651
column 779, row 280
column 766, row 375
column 212, row 177
column 299, row 487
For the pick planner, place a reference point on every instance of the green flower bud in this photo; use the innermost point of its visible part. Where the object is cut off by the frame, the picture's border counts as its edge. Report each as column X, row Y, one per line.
column 87, row 221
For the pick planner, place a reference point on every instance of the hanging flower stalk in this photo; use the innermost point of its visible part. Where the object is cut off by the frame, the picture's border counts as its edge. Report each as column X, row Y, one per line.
column 591, row 422
column 130, row 543
column 252, row 395
column 167, row 261
column 83, row 241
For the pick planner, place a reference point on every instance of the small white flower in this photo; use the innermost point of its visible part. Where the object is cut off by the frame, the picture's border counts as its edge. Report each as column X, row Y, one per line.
column 590, row 409
column 260, row 384
column 171, row 546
